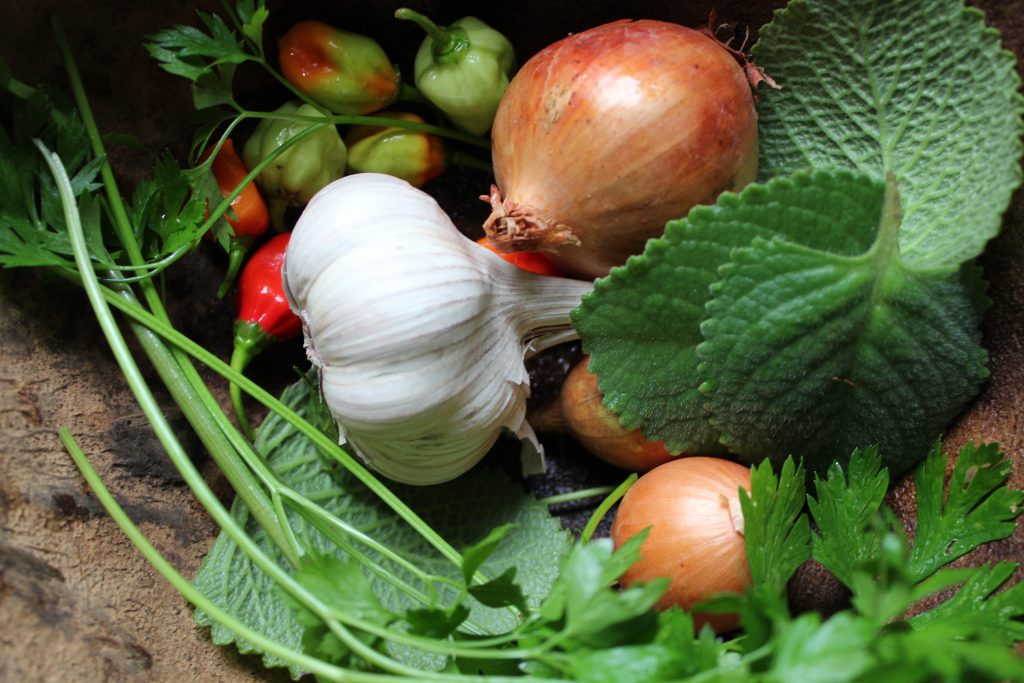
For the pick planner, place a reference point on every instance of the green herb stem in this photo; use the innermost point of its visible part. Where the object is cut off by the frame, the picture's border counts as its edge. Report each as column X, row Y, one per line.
column 165, row 434
column 182, row 585
column 573, row 496
column 605, row 506
column 319, row 439
column 339, row 532
column 383, row 121
column 184, row 383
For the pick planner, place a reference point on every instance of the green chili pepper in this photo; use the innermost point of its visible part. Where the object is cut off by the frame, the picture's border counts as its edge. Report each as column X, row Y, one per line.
column 300, row 171
column 463, row 69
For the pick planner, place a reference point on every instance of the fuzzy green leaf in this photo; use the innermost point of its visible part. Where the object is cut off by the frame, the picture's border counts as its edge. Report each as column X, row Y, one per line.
column 784, row 321
column 463, row 511
column 641, row 325
column 815, row 354
column 920, row 88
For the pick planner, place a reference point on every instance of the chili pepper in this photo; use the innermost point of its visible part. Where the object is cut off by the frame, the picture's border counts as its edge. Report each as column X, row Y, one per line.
column 463, row 69
column 346, row 72
column 407, row 154
column 248, row 216
column 533, row 261
column 301, row 171
column 264, row 316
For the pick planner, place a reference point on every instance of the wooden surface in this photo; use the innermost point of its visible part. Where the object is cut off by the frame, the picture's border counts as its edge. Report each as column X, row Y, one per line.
column 77, row 603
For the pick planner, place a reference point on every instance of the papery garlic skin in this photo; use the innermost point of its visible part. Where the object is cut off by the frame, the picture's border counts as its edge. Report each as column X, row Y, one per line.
column 418, row 333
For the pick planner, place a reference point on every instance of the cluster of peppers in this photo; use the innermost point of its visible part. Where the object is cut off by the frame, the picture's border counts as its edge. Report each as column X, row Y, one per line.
column 461, row 69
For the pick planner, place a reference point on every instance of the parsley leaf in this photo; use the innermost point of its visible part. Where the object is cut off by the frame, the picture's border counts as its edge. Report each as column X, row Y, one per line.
column 776, row 532
column 847, row 505
column 190, row 52
column 252, row 15
column 673, row 654
column 978, row 507
column 977, row 609
column 33, row 231
column 831, row 652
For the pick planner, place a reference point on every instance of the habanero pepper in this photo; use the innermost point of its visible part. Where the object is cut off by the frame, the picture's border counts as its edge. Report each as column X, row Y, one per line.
column 533, row 261
column 463, row 69
column 303, row 169
column 346, row 72
column 248, row 216
column 411, row 155
column 264, row 316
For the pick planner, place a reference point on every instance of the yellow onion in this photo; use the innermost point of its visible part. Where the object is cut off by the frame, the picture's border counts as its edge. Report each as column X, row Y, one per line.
column 603, row 137
column 579, row 412
column 696, row 532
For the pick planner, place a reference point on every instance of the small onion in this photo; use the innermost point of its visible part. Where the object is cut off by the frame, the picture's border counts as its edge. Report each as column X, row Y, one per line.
column 579, row 411
column 604, row 136
column 696, row 532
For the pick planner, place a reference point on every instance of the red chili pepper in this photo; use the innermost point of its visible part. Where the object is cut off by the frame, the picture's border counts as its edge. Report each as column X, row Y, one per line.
column 533, row 261
column 264, row 316
column 250, row 219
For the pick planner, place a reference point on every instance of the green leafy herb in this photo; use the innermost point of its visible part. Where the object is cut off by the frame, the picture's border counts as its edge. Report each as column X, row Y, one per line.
column 783, row 320
column 822, row 313
column 465, row 511
column 352, row 592
column 845, row 510
column 774, row 524
column 189, row 52
column 919, row 88
column 978, row 508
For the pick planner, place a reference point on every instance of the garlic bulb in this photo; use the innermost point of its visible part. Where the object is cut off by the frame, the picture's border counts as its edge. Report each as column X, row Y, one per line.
column 418, row 333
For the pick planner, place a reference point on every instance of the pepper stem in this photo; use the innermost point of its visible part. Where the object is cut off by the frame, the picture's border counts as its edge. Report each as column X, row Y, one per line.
column 250, row 340
column 448, row 43
column 459, row 158
column 236, row 254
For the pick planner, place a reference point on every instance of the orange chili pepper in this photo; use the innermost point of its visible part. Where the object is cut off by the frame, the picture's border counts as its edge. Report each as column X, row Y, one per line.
column 248, row 217
column 250, row 212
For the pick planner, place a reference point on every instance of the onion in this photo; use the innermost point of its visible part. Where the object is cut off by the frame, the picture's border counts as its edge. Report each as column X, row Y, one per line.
column 579, row 412
column 696, row 532
column 603, row 137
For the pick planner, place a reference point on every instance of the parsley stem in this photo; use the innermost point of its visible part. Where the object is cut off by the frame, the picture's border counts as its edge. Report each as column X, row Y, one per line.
column 174, row 367
column 573, row 496
column 182, row 585
column 151, row 409
column 605, row 506
column 321, row 440
column 346, row 120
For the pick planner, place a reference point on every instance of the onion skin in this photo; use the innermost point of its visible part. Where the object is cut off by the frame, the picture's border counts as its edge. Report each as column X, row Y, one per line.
column 579, row 411
column 696, row 533
column 604, row 136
